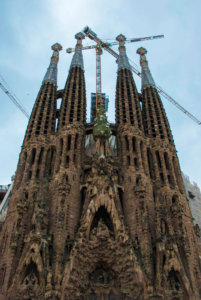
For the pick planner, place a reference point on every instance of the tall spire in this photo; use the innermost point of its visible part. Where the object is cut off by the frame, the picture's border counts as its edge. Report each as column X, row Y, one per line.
column 127, row 99
column 77, row 60
column 147, row 79
column 51, row 74
column 123, row 59
column 73, row 106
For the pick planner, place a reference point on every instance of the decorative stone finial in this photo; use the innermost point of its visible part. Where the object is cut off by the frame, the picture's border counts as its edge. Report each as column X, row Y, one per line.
column 79, row 36
column 56, row 47
column 121, row 38
column 147, row 79
column 123, row 59
column 51, row 74
column 77, row 60
column 141, row 51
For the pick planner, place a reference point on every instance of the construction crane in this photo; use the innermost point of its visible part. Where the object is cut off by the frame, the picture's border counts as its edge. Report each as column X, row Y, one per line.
column 93, row 36
column 13, row 98
column 100, row 44
column 99, row 99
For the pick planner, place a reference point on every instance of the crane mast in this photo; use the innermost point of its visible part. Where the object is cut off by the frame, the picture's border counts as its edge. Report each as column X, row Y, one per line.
column 99, row 100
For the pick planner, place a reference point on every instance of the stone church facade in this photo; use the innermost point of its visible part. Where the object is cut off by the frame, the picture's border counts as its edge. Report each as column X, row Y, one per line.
column 99, row 211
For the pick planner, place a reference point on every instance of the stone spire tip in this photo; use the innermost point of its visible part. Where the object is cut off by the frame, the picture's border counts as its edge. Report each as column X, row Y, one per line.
column 51, row 74
column 123, row 62
column 56, row 47
column 121, row 38
column 77, row 60
column 141, row 51
column 79, row 36
column 147, row 79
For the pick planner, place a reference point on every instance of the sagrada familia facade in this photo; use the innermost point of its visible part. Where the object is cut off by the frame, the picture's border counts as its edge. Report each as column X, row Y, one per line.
column 98, row 210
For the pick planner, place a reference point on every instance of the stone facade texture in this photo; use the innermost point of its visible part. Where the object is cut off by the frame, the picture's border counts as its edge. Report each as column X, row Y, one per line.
column 81, row 225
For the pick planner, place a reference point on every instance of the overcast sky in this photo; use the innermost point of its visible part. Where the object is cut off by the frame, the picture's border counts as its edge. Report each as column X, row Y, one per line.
column 29, row 28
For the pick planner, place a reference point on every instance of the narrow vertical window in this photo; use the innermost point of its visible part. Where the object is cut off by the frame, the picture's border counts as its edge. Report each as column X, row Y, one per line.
column 76, row 140
column 158, row 159
column 33, row 155
column 142, row 155
column 167, row 163
column 136, row 163
column 69, row 142
column 52, row 160
column 47, row 161
column 40, row 156
column 67, row 161
column 134, row 144
column 126, row 142
column 151, row 164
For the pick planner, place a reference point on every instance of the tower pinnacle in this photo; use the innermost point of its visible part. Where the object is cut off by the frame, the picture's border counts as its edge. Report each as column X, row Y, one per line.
column 147, row 79
column 77, row 60
column 123, row 59
column 51, row 74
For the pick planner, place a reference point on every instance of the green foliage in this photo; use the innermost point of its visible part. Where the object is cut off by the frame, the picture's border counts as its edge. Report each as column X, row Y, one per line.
column 101, row 127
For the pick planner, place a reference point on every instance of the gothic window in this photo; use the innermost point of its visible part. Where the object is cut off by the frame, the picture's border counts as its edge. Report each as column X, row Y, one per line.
column 126, row 143
column 173, row 281
column 47, row 161
column 158, row 159
column 67, row 161
column 142, row 154
column 40, row 156
column 76, row 140
column 69, row 142
column 162, row 177
column 134, row 144
column 151, row 164
column 39, row 162
column 167, row 163
column 171, row 183
column 136, row 163
column 120, row 193
column 31, row 276
column 61, row 147
column 60, row 155
column 102, row 215
column 33, row 155
column 52, row 160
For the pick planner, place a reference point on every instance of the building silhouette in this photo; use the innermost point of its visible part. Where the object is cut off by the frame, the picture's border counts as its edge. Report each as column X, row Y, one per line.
column 102, row 219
